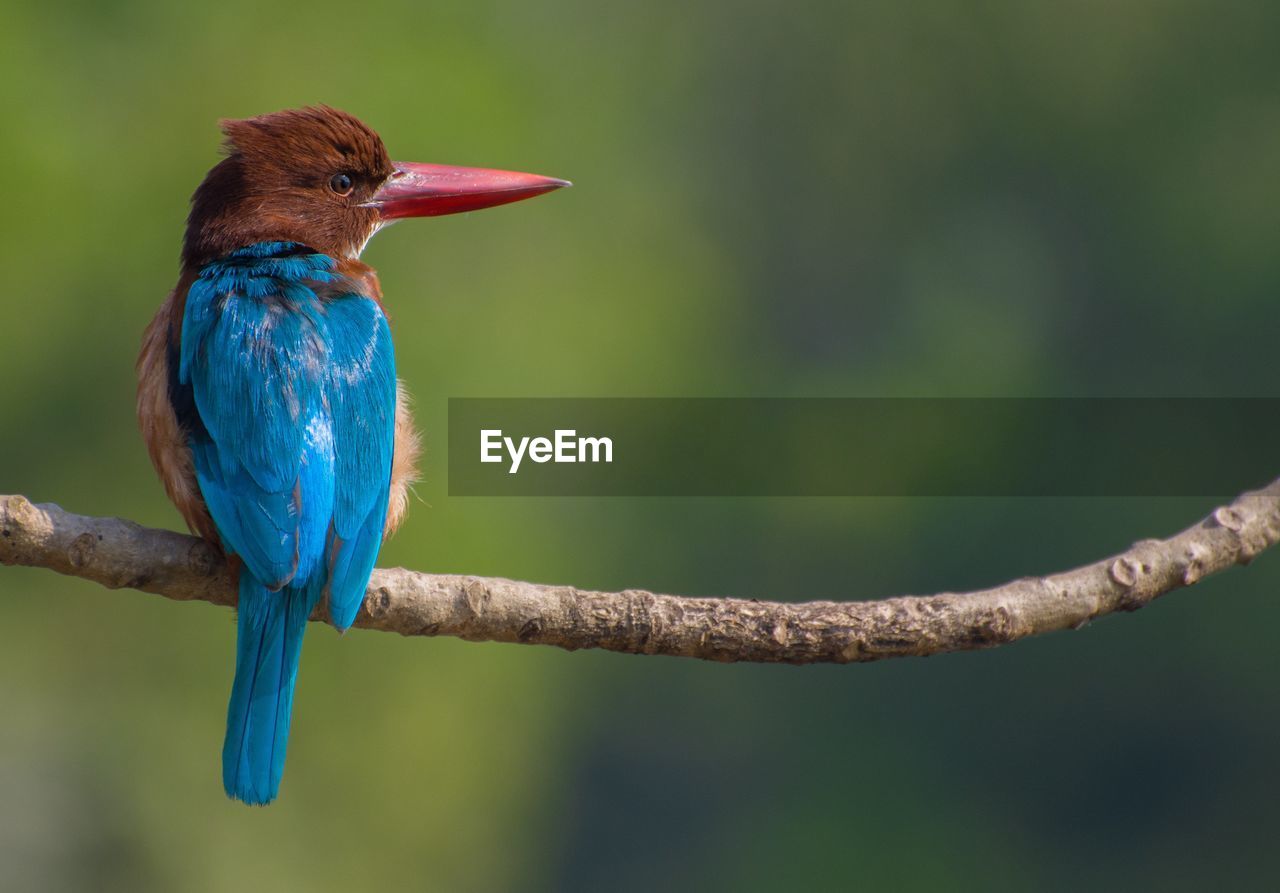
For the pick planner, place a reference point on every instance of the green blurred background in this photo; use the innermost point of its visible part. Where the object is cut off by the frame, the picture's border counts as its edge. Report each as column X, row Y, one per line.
column 941, row 199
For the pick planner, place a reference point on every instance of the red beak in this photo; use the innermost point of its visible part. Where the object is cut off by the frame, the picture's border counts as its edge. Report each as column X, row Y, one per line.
column 429, row 190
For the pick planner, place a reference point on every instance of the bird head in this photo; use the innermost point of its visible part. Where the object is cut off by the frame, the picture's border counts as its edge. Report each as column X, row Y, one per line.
column 323, row 178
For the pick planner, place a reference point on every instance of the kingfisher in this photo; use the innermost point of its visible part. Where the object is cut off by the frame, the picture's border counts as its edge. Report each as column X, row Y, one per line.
column 267, row 389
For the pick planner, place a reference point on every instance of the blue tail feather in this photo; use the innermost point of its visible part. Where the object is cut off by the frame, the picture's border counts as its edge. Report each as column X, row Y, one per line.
column 268, row 645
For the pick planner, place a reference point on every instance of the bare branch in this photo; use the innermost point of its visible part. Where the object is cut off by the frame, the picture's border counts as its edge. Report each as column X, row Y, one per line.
column 118, row 554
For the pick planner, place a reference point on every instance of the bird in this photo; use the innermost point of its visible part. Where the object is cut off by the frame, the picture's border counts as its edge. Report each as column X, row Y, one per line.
column 267, row 389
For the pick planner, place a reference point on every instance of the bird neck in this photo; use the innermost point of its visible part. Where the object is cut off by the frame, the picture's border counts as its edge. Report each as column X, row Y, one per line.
column 274, row 269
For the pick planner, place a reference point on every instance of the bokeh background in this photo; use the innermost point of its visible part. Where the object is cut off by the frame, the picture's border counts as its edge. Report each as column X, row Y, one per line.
column 941, row 199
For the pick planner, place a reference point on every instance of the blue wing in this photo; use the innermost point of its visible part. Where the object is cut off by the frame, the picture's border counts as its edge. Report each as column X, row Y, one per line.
column 257, row 386
column 360, row 392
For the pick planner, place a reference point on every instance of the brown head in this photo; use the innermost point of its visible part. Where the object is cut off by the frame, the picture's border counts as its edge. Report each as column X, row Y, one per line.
column 323, row 178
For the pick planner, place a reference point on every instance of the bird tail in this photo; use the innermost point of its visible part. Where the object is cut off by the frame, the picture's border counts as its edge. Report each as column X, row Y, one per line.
column 268, row 645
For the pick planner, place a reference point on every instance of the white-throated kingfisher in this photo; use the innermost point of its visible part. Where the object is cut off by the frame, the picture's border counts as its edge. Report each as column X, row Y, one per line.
column 267, row 389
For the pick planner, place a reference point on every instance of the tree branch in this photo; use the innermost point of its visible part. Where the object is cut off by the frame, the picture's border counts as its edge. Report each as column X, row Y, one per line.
column 117, row 553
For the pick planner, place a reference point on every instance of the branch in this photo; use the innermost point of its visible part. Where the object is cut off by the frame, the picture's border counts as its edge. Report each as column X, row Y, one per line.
column 119, row 554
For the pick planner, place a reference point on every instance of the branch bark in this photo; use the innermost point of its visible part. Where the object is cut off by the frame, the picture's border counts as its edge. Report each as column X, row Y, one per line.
column 119, row 554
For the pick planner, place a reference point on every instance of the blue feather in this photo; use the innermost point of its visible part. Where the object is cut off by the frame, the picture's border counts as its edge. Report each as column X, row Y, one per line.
column 360, row 351
column 292, row 374
column 268, row 644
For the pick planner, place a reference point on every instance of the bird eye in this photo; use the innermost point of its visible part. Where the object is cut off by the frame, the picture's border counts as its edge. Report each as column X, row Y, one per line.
column 341, row 184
